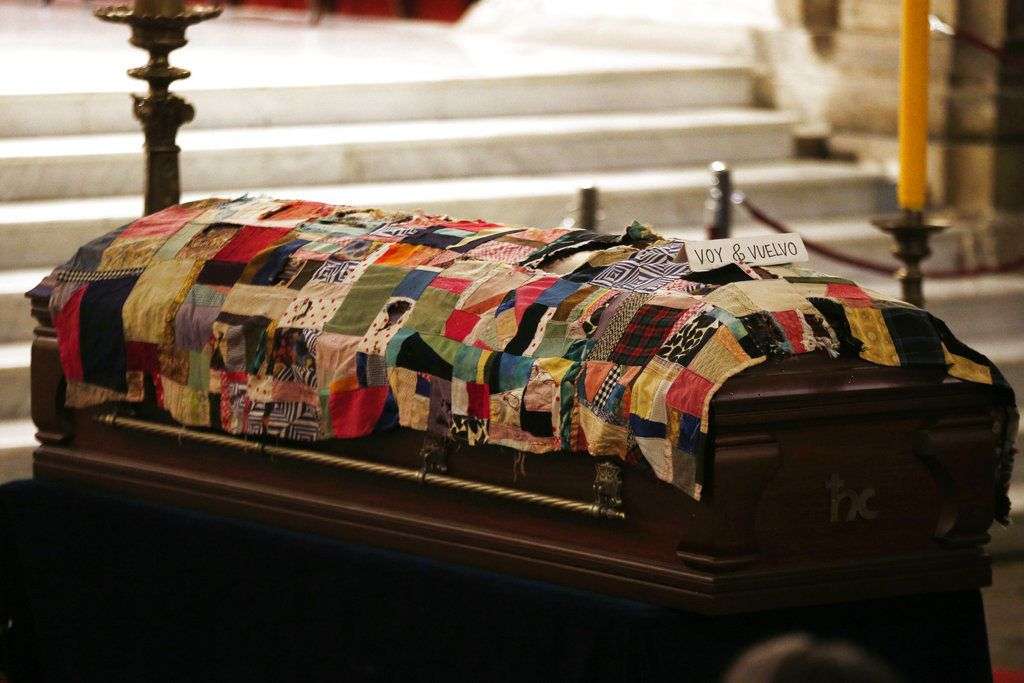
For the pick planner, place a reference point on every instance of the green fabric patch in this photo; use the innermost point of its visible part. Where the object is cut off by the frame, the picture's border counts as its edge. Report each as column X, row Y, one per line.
column 432, row 310
column 365, row 300
column 466, row 360
column 448, row 349
column 322, row 247
column 455, row 232
column 199, row 370
column 554, row 344
column 395, row 345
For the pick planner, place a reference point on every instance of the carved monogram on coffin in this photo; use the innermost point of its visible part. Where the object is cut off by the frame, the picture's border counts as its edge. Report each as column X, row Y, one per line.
column 858, row 502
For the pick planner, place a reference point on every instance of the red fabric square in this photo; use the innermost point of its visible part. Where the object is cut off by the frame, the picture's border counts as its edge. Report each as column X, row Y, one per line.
column 460, row 323
column 165, row 222
column 472, row 226
column 790, row 323
column 355, row 412
column 688, row 392
column 227, row 381
column 479, row 400
column 299, row 210
column 451, row 284
column 68, row 341
column 529, row 293
column 248, row 242
column 142, row 357
column 595, row 373
column 853, row 292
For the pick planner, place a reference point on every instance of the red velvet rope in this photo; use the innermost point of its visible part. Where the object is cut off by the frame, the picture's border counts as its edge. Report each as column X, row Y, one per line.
column 976, row 42
column 867, row 264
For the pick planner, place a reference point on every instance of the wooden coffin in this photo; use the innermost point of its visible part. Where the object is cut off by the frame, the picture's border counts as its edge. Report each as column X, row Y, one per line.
column 833, row 480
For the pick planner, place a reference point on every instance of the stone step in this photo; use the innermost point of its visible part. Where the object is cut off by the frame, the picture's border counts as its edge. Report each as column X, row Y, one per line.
column 44, row 233
column 14, row 307
column 283, row 73
column 704, row 84
column 15, row 400
column 17, row 441
column 104, row 165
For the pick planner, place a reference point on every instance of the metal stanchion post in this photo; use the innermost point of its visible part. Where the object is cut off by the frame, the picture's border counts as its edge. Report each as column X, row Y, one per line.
column 158, row 26
column 719, row 202
column 589, row 208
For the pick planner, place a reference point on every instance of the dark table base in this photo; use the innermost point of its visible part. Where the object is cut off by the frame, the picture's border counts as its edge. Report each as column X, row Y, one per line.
column 106, row 589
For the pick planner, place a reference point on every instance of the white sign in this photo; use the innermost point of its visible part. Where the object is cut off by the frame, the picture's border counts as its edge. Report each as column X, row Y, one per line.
column 765, row 250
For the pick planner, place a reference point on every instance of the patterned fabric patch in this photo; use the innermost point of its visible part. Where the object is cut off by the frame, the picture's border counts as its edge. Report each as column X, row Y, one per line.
column 644, row 335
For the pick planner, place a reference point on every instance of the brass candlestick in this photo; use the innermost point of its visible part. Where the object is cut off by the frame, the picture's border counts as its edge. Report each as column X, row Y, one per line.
column 911, row 233
column 158, row 26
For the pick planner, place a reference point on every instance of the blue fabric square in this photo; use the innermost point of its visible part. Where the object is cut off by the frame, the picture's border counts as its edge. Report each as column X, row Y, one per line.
column 414, row 283
column 557, row 292
column 646, row 428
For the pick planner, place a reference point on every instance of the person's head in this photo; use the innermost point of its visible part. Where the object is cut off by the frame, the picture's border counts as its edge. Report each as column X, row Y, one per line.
column 801, row 659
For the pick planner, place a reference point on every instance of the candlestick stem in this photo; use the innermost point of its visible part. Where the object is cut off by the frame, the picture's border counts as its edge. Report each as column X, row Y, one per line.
column 912, row 234
column 158, row 26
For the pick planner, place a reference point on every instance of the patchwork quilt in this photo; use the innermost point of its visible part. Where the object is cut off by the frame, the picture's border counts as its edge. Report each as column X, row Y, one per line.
column 306, row 321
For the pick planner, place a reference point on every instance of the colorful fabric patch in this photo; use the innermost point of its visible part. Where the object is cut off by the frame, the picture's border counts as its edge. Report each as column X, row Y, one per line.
column 644, row 335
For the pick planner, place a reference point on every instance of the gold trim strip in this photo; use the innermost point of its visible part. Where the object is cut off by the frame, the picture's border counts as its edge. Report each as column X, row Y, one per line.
column 346, row 463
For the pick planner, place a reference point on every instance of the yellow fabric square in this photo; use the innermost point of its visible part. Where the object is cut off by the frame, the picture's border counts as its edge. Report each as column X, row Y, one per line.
column 270, row 302
column 556, row 367
column 744, row 298
column 148, row 313
column 648, row 396
column 481, row 365
column 506, row 326
column 413, row 409
column 868, row 325
column 603, row 438
column 964, row 368
column 130, row 252
column 186, row 405
column 718, row 359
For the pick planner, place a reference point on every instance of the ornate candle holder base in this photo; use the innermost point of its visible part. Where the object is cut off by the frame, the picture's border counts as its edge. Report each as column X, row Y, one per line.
column 911, row 233
column 160, row 112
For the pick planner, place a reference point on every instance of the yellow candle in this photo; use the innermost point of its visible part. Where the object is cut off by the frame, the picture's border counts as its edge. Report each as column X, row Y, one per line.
column 913, row 119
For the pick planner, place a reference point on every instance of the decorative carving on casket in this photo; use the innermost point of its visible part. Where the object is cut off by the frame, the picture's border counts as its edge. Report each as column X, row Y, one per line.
column 951, row 459
column 434, row 455
column 608, row 486
column 848, row 504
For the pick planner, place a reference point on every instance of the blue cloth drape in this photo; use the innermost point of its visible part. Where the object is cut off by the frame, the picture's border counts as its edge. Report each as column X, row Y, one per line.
column 100, row 588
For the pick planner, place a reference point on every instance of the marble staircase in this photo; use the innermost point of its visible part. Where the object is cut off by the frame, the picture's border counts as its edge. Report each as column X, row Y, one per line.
column 471, row 128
